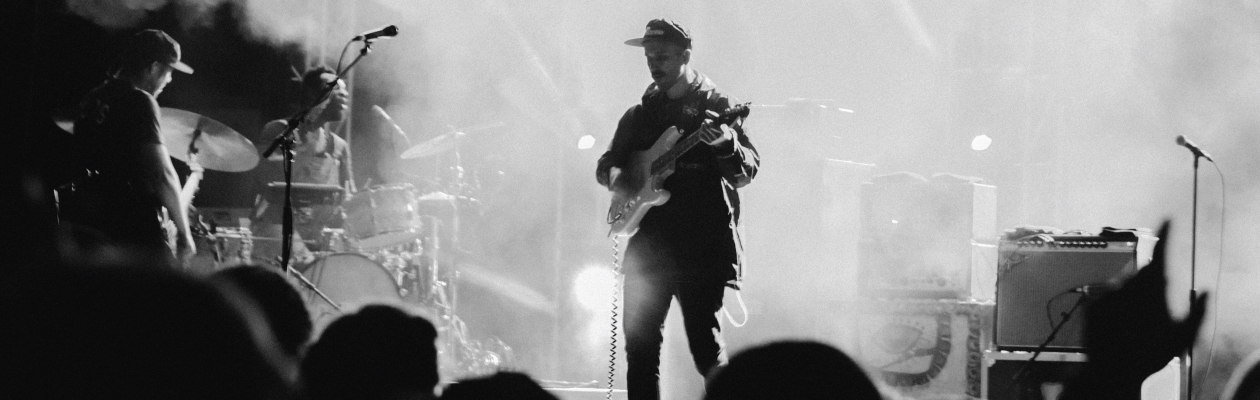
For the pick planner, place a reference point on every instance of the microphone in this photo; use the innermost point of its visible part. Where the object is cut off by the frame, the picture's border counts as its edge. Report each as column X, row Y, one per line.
column 1096, row 289
column 385, row 31
column 1181, row 140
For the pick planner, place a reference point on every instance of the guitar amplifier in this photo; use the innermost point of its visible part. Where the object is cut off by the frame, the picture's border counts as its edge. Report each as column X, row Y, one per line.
column 1034, row 274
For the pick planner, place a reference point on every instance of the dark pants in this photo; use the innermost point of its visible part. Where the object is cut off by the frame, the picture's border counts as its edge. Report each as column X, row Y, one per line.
column 647, row 302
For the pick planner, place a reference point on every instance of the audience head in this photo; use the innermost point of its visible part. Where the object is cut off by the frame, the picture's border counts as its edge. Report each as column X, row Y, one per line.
column 279, row 301
column 791, row 370
column 502, row 385
column 136, row 333
column 379, row 352
column 1245, row 382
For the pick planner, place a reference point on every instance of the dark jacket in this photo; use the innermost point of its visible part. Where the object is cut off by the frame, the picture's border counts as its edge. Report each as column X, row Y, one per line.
column 109, row 191
column 696, row 234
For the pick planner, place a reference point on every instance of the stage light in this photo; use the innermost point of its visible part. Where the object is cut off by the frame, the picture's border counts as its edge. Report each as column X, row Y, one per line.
column 593, row 287
column 981, row 142
column 586, row 142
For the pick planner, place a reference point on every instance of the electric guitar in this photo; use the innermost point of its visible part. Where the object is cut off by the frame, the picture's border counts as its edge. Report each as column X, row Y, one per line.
column 196, row 226
column 640, row 186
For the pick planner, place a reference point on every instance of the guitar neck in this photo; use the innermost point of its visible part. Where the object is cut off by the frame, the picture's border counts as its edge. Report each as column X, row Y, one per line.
column 666, row 160
column 190, row 188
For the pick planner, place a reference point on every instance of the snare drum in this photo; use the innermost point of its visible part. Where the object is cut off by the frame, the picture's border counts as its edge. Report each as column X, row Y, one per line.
column 382, row 216
column 350, row 280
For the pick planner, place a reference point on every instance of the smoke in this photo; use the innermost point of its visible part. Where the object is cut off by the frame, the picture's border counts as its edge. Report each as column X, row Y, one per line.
column 1082, row 100
column 284, row 21
column 115, row 14
column 270, row 21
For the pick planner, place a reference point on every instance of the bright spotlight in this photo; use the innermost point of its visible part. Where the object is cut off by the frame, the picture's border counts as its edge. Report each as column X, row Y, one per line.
column 586, row 142
column 593, row 287
column 981, row 142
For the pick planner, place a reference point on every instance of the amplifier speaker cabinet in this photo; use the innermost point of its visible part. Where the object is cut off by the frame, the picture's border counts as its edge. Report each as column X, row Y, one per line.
column 1035, row 274
column 920, row 239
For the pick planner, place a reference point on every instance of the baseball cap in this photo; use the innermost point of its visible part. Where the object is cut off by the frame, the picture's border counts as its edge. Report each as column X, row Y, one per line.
column 155, row 45
column 663, row 30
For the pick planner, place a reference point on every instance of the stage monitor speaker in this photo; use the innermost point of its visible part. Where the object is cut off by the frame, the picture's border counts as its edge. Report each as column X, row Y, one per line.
column 1032, row 273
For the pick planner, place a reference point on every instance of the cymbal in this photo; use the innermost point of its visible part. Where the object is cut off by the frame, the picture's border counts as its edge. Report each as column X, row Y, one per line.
column 445, row 142
column 305, row 193
column 219, row 147
column 306, row 187
column 433, row 146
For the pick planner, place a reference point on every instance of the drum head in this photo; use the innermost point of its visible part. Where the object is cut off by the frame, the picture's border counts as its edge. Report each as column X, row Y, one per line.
column 350, row 280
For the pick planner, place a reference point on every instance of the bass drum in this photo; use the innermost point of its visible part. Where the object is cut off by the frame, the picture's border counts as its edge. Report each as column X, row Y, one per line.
column 350, row 280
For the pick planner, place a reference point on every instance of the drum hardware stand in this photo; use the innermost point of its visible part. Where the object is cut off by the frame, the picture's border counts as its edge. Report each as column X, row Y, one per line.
column 284, row 142
column 311, row 286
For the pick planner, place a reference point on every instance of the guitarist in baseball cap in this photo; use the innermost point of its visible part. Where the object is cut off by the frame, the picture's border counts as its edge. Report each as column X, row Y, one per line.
column 689, row 247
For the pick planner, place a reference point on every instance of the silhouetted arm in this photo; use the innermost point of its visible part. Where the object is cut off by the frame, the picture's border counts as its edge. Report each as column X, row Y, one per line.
column 1130, row 334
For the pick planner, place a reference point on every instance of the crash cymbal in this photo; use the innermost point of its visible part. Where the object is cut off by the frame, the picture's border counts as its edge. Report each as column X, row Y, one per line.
column 445, row 142
column 433, row 146
column 480, row 127
column 219, row 147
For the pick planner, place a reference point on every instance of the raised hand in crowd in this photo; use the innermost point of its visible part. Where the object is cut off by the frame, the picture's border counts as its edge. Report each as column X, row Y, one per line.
column 1130, row 334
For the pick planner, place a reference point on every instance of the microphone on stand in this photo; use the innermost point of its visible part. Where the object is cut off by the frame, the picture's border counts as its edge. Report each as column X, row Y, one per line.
column 1181, row 140
column 384, row 31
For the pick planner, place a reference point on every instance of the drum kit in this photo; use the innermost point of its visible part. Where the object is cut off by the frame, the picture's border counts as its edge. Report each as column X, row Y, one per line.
column 387, row 243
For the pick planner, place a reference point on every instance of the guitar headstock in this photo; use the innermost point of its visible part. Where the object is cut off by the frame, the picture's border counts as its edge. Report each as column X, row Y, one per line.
column 731, row 114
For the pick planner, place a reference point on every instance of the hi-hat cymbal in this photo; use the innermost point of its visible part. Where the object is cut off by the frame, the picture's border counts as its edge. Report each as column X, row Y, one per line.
column 433, row 146
column 218, row 146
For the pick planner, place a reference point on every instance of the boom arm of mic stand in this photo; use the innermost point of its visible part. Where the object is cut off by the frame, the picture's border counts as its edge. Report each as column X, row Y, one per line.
column 293, row 122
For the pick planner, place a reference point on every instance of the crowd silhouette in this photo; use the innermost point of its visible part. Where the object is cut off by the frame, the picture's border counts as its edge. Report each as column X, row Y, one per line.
column 137, row 331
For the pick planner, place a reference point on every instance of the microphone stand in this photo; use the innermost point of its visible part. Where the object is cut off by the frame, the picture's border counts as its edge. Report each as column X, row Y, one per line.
column 1187, row 364
column 284, row 142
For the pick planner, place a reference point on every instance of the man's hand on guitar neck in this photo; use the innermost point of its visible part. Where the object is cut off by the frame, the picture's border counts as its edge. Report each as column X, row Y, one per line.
column 719, row 135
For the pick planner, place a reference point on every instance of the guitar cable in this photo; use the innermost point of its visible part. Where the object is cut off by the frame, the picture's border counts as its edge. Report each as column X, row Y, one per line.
column 616, row 297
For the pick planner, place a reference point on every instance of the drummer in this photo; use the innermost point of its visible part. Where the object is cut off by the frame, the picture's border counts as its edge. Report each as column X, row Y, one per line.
column 320, row 157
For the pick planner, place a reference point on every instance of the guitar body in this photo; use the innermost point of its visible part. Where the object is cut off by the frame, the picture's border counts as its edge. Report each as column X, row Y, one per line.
column 636, row 189
column 641, row 185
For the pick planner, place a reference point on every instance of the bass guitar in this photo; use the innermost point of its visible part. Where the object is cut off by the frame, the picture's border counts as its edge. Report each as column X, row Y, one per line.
column 640, row 186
